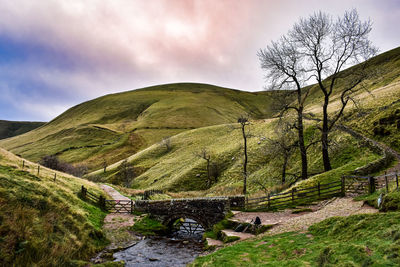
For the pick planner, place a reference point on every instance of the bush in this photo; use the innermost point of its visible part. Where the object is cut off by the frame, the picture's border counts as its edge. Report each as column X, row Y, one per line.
column 53, row 162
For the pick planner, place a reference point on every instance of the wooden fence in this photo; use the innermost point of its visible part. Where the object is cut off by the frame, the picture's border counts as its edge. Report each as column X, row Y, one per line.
column 297, row 196
column 99, row 200
column 358, row 185
column 148, row 193
column 119, row 206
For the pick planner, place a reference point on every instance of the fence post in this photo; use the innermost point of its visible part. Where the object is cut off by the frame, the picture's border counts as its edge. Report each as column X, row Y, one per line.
column 131, row 206
column 269, row 200
column 397, row 181
column 55, row 176
column 102, row 202
column 38, row 169
column 343, row 189
column 83, row 191
column 319, row 190
column 293, row 190
column 371, row 181
column 387, row 183
column 23, row 164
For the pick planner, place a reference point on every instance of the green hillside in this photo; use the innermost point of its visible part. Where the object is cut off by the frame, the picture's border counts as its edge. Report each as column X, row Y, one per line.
column 42, row 221
column 13, row 128
column 115, row 126
column 181, row 170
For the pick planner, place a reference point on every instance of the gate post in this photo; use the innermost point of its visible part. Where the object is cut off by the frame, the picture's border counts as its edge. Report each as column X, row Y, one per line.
column 83, row 192
column 102, row 202
column 343, row 189
column 371, row 181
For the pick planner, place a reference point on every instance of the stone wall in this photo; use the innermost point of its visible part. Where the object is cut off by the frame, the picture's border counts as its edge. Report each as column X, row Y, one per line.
column 237, row 202
column 206, row 211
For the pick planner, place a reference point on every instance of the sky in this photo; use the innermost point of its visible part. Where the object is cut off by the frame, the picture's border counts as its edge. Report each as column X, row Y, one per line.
column 55, row 54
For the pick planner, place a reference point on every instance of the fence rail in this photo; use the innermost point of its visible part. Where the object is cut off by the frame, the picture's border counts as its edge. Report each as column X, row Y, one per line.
column 368, row 184
column 296, row 196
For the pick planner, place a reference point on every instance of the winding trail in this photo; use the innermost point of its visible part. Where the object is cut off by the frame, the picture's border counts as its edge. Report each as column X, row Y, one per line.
column 285, row 221
column 116, row 227
column 114, row 194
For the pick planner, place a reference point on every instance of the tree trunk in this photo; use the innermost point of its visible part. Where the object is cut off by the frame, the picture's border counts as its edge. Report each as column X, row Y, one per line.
column 303, row 150
column 324, row 136
column 208, row 173
column 285, row 161
column 245, row 161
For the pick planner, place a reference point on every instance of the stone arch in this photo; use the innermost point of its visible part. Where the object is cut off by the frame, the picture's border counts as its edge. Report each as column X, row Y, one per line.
column 170, row 219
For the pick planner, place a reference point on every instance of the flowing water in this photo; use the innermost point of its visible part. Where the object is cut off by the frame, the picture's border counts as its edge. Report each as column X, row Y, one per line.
column 178, row 249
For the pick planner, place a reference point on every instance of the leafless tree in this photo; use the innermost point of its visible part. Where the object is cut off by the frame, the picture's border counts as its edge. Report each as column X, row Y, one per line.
column 104, row 165
column 166, row 142
column 322, row 48
column 204, row 154
column 283, row 145
column 244, row 121
column 282, row 62
column 126, row 173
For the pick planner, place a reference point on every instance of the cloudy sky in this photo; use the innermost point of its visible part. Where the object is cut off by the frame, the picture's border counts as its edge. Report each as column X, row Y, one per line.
column 55, row 54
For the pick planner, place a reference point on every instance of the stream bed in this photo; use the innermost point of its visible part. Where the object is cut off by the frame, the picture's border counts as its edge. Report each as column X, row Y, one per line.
column 179, row 249
column 160, row 251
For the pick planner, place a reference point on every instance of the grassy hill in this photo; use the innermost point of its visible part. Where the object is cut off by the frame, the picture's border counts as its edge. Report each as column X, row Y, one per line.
column 181, row 170
column 13, row 128
column 42, row 221
column 115, row 126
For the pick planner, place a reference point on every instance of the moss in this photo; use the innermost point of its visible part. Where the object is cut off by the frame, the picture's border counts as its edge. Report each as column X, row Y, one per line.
column 229, row 239
column 301, row 210
column 391, row 201
column 149, row 226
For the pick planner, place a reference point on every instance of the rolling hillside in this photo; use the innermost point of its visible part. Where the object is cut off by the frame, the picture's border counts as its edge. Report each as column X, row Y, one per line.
column 13, row 128
column 42, row 221
column 376, row 115
column 115, row 126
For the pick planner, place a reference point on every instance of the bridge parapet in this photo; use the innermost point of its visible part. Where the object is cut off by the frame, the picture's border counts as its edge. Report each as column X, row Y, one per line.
column 206, row 211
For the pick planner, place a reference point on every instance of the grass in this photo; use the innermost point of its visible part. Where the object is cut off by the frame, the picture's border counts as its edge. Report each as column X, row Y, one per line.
column 115, row 126
column 43, row 222
column 149, row 226
column 358, row 240
column 13, row 128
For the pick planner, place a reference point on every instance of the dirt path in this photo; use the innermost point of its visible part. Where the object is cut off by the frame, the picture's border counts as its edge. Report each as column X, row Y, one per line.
column 116, row 227
column 285, row 221
column 114, row 194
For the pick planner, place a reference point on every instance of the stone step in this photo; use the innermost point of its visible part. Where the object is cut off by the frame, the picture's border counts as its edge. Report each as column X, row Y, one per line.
column 231, row 233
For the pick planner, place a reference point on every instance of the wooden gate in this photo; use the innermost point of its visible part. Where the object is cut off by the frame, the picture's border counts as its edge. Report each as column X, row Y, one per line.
column 119, row 206
column 355, row 185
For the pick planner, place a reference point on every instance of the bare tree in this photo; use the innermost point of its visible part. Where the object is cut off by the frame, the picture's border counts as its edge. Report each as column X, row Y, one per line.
column 319, row 48
column 327, row 47
column 283, row 146
column 166, row 142
column 204, row 154
column 282, row 62
column 104, row 165
column 244, row 121
column 126, row 173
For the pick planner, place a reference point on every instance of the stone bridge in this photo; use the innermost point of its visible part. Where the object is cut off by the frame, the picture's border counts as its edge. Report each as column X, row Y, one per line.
column 205, row 211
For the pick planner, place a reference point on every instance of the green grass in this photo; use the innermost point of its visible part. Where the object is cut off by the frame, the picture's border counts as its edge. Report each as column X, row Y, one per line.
column 43, row 222
column 358, row 240
column 13, row 128
column 149, row 226
column 118, row 125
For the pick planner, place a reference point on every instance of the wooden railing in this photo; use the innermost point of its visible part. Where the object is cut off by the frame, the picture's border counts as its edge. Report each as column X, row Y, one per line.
column 99, row 200
column 296, row 196
column 358, row 185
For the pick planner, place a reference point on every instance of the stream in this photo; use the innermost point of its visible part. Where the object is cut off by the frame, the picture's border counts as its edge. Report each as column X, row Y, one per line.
column 179, row 249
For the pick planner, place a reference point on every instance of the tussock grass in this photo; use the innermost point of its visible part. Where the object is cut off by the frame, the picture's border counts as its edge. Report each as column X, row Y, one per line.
column 43, row 222
column 115, row 126
column 358, row 240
